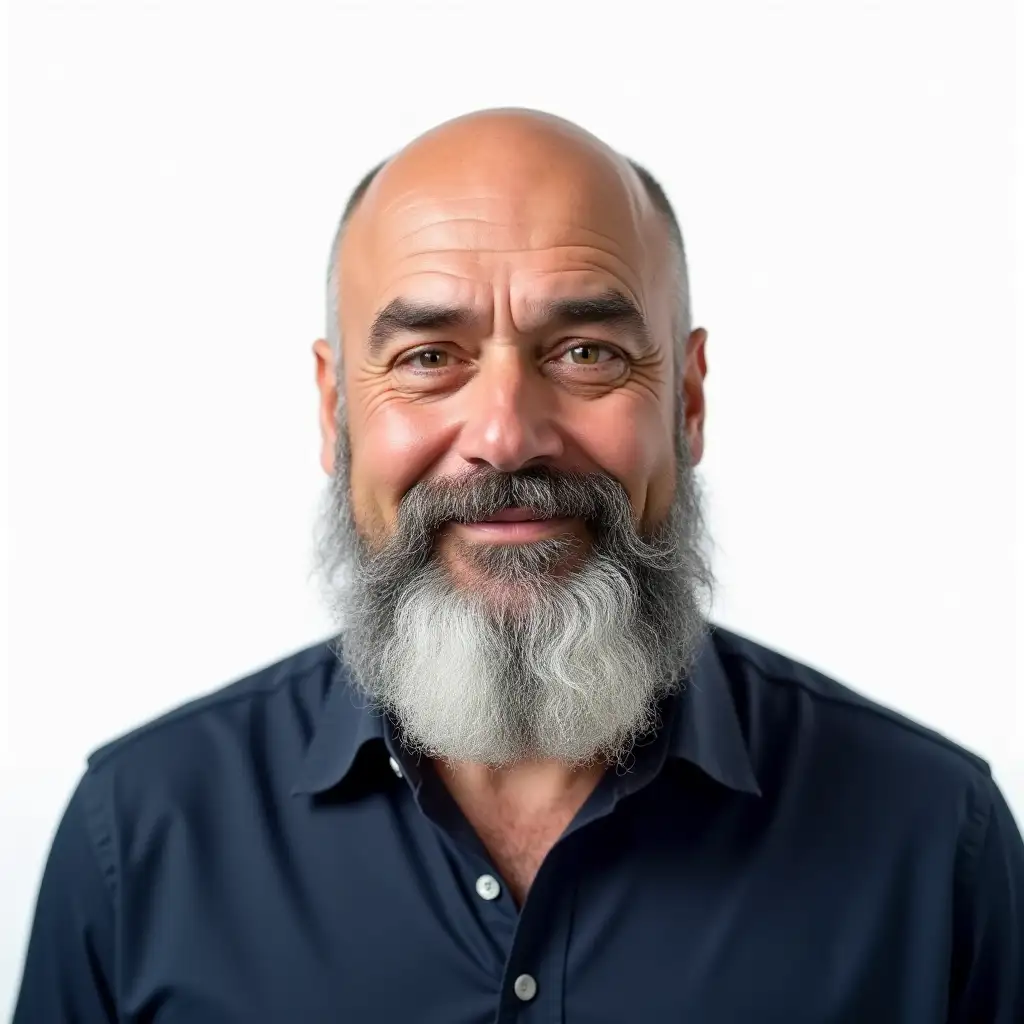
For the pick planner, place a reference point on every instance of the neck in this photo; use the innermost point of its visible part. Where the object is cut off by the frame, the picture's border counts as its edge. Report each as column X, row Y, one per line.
column 527, row 788
column 519, row 812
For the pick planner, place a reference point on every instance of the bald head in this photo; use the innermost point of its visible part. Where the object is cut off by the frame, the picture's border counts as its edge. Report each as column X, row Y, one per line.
column 537, row 167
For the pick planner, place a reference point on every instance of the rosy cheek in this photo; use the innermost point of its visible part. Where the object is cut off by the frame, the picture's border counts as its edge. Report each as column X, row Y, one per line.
column 394, row 449
column 632, row 444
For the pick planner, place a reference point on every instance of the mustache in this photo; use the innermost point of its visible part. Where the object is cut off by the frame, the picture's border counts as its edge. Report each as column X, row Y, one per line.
column 594, row 497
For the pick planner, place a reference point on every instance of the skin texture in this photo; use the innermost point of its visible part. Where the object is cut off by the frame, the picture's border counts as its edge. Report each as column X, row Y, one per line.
column 499, row 213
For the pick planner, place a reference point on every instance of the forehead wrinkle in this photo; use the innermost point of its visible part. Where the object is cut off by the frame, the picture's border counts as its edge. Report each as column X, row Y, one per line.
column 545, row 207
column 413, row 199
column 584, row 263
column 474, row 250
column 452, row 190
column 623, row 256
column 467, row 265
column 464, row 282
column 548, row 227
column 627, row 249
column 428, row 273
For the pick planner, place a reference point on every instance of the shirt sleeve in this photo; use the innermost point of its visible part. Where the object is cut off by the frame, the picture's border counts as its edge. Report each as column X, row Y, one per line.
column 988, row 959
column 68, row 972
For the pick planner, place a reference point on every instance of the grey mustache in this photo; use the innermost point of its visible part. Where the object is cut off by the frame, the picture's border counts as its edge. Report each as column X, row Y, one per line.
column 469, row 499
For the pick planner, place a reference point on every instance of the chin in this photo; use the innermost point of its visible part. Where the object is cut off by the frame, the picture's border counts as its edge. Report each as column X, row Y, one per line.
column 505, row 602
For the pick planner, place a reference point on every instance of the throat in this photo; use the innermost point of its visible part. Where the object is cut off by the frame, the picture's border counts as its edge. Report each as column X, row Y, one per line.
column 519, row 813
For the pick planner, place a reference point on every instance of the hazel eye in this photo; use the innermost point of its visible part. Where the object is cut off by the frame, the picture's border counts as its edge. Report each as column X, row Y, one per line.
column 590, row 355
column 428, row 359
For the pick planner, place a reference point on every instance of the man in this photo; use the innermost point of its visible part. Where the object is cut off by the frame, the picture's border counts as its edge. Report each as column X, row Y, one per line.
column 528, row 782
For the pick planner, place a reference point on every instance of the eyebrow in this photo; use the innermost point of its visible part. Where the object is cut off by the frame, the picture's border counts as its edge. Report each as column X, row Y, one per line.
column 401, row 316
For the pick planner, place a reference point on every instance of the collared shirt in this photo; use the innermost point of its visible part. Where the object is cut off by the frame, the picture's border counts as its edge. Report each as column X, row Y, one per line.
column 780, row 849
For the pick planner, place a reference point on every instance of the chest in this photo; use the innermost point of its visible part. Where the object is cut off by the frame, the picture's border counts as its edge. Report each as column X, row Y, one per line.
column 381, row 919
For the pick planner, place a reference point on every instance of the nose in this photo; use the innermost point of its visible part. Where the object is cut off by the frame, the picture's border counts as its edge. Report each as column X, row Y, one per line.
column 509, row 418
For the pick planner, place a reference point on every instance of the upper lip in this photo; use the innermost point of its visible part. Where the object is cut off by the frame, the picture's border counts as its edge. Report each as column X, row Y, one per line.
column 513, row 515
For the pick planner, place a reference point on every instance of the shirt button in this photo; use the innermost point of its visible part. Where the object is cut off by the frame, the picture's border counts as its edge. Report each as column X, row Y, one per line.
column 394, row 766
column 525, row 987
column 487, row 887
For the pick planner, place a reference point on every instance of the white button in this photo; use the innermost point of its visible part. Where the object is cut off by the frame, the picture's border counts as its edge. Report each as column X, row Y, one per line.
column 525, row 987
column 394, row 766
column 487, row 887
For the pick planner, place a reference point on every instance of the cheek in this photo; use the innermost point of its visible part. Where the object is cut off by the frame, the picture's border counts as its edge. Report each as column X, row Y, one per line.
column 635, row 445
column 391, row 450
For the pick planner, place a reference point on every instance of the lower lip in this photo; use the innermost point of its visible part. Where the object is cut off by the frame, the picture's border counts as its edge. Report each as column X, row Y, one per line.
column 511, row 532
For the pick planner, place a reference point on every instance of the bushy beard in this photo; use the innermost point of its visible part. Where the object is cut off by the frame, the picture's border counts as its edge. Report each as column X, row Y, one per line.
column 561, row 649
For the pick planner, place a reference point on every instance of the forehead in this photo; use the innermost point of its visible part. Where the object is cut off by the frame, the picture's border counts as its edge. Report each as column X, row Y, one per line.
column 502, row 234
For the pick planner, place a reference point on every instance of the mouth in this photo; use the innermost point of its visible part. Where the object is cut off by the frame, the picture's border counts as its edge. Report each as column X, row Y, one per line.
column 515, row 526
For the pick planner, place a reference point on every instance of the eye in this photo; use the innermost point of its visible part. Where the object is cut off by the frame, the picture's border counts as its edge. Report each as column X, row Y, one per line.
column 427, row 359
column 590, row 354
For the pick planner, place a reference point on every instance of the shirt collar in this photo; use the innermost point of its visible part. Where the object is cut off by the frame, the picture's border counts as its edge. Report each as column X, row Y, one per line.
column 345, row 724
column 705, row 728
column 702, row 727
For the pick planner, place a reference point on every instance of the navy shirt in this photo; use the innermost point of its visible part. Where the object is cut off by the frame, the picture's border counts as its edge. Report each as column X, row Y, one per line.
column 781, row 849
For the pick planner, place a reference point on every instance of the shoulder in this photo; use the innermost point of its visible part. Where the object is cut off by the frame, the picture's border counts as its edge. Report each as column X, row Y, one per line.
column 791, row 709
column 256, row 723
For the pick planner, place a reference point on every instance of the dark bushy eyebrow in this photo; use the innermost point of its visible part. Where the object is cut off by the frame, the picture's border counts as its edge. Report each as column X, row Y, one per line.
column 609, row 307
column 401, row 316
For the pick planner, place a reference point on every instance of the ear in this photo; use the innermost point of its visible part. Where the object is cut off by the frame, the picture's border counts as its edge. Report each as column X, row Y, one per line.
column 695, row 368
column 327, row 384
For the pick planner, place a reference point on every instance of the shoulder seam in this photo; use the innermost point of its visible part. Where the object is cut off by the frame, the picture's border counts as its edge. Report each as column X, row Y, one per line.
column 176, row 715
column 923, row 732
column 980, row 817
column 99, row 837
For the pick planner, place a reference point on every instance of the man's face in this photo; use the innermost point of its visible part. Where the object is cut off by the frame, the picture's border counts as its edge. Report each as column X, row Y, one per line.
column 508, row 301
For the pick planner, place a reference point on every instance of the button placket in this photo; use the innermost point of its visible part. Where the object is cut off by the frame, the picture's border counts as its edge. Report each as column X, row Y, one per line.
column 540, row 944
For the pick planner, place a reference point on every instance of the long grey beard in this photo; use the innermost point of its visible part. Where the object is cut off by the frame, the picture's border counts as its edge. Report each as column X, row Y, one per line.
column 539, row 661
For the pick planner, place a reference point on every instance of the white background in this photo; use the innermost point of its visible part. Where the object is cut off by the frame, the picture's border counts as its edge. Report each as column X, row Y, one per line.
column 843, row 175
